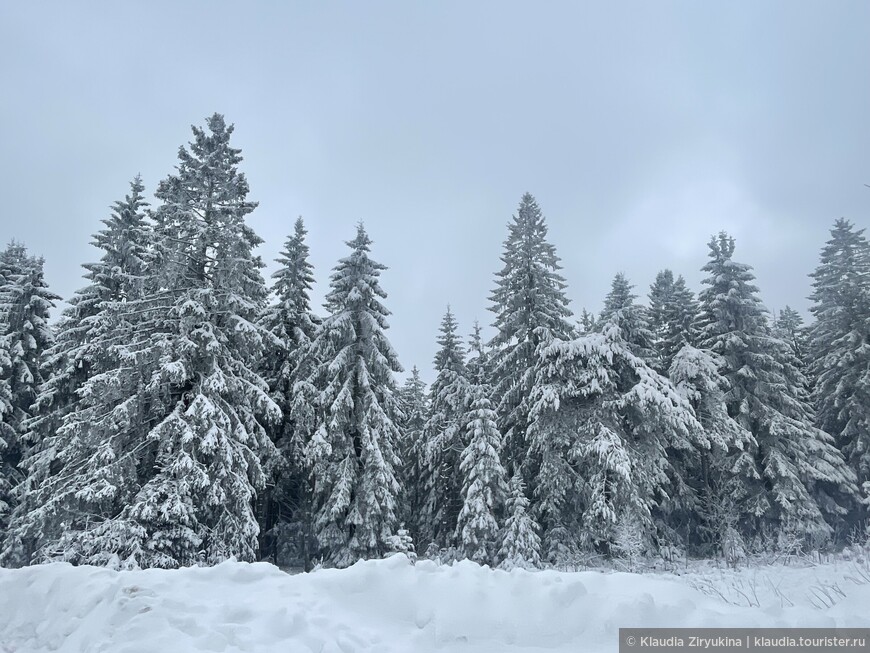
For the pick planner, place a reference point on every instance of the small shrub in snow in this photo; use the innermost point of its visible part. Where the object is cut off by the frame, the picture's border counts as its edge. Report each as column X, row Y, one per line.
column 859, row 538
column 789, row 543
column 629, row 540
column 448, row 555
column 402, row 542
column 671, row 555
column 733, row 548
column 432, row 552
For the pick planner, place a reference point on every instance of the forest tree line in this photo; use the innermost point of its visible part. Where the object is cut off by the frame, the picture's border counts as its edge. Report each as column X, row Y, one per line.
column 182, row 411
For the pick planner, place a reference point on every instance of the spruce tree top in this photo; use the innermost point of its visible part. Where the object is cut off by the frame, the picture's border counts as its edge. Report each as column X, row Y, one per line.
column 414, row 396
column 354, row 283
column 120, row 273
column 356, row 292
column 530, row 292
column 203, row 204
column 731, row 302
column 841, row 283
column 295, row 276
column 451, row 355
column 212, row 163
column 661, row 294
column 630, row 317
column 478, row 359
column 619, row 298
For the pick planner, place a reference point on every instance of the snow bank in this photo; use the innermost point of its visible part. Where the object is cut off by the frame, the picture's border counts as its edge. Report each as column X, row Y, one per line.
column 385, row 606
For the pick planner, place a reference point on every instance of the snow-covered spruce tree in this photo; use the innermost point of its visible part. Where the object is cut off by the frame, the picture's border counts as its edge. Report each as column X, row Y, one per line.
column 25, row 304
column 660, row 296
column 207, row 434
column 603, row 425
column 484, row 487
column 586, row 324
column 9, row 472
column 402, row 542
column 479, row 362
column 353, row 452
column 25, row 338
column 530, row 309
column 86, row 431
column 790, row 328
column 702, row 506
column 11, row 265
column 789, row 467
column 415, row 410
column 673, row 313
column 10, row 452
column 445, row 437
column 284, row 509
column 840, row 346
column 632, row 319
column 520, row 542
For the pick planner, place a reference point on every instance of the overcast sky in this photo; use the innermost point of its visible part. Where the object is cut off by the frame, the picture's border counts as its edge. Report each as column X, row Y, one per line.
column 641, row 127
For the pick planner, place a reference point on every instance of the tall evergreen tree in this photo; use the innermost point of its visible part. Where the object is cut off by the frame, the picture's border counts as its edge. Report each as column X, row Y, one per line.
column 444, row 433
column 603, row 424
column 205, row 406
column 287, row 367
column 353, row 451
column 9, row 473
column 660, row 295
column 71, row 484
column 789, row 465
column 521, row 544
column 530, row 309
column 212, row 441
column 673, row 313
column 484, row 487
column 82, row 468
column 121, row 272
column 703, row 509
column 10, row 453
column 25, row 304
column 412, row 450
column 840, row 346
column 25, row 337
column 630, row 317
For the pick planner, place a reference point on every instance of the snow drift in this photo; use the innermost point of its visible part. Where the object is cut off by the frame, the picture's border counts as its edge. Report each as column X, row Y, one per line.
column 386, row 606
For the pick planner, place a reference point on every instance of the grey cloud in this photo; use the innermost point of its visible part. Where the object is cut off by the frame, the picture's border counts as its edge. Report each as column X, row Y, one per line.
column 642, row 128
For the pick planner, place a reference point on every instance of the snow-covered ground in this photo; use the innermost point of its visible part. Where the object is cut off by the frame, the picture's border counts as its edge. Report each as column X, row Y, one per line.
column 392, row 606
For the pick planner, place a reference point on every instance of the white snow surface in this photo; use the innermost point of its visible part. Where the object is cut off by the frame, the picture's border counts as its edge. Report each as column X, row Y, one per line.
column 391, row 606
